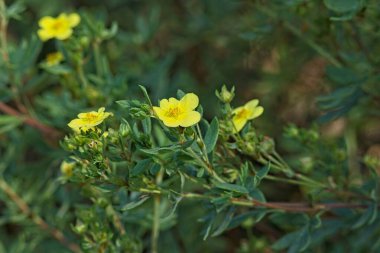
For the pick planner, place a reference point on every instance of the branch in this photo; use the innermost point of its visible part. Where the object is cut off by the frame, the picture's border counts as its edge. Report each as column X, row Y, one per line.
column 286, row 206
column 305, row 207
column 23, row 206
column 29, row 120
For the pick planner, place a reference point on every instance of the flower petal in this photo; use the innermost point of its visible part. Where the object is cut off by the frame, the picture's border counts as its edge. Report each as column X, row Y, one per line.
column 164, row 103
column 190, row 118
column 159, row 111
column 44, row 35
column 238, row 123
column 170, row 122
column 256, row 112
column 251, row 105
column 46, row 22
column 75, row 124
column 189, row 102
column 73, row 19
column 238, row 110
column 173, row 102
column 63, row 34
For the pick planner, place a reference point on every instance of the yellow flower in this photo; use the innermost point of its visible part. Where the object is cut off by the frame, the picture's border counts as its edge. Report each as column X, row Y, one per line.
column 88, row 120
column 244, row 113
column 67, row 168
column 176, row 113
column 53, row 59
column 60, row 27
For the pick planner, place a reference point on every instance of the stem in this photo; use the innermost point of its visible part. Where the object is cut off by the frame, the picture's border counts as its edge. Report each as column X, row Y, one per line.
column 352, row 146
column 206, row 166
column 29, row 120
column 285, row 168
column 3, row 32
column 24, row 208
column 156, row 214
column 203, row 145
column 97, row 57
column 285, row 206
column 205, row 157
column 285, row 180
column 82, row 76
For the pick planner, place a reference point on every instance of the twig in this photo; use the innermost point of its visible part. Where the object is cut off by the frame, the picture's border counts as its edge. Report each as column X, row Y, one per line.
column 156, row 213
column 286, row 206
column 299, row 206
column 23, row 206
column 3, row 32
column 29, row 120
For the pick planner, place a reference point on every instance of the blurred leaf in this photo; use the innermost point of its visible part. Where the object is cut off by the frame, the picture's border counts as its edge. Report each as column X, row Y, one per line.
column 230, row 187
column 212, row 135
column 343, row 5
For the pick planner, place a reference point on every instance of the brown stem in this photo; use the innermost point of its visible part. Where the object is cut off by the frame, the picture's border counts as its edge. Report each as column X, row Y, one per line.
column 286, row 206
column 29, row 120
column 23, row 206
column 3, row 32
column 302, row 207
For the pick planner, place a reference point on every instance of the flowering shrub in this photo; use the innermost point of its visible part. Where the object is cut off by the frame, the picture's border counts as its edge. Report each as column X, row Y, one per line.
column 91, row 161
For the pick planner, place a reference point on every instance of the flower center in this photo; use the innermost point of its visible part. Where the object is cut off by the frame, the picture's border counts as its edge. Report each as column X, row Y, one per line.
column 242, row 114
column 173, row 112
column 58, row 25
column 90, row 117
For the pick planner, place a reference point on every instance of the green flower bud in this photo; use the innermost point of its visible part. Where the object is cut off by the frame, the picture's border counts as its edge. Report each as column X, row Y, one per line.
column 200, row 143
column 67, row 168
column 225, row 95
column 267, row 145
column 124, row 130
column 84, row 41
column 80, row 228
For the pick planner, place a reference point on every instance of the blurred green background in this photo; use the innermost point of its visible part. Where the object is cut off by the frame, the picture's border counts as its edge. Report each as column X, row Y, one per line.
column 311, row 63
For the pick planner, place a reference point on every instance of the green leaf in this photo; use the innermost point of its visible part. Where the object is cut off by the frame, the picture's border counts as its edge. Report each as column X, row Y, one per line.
column 255, row 216
column 141, row 166
column 147, row 125
column 8, row 123
column 343, row 5
column 180, row 94
column 212, row 135
column 261, row 174
column 225, row 223
column 145, row 92
column 230, row 187
column 166, row 149
column 302, row 241
column 134, row 204
column 123, row 103
column 285, row 241
column 367, row 217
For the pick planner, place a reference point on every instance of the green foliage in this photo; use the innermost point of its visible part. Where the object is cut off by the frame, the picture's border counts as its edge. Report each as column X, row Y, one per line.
column 301, row 178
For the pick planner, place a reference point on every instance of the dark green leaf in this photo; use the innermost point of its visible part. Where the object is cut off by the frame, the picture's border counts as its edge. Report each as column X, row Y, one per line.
column 212, row 135
column 230, row 187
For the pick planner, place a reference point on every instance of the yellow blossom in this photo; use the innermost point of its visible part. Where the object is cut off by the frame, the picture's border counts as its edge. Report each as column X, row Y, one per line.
column 174, row 113
column 53, row 59
column 88, row 120
column 67, row 168
column 244, row 113
column 60, row 27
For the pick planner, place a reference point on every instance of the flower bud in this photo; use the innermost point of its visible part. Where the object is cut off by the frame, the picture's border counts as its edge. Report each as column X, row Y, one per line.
column 67, row 168
column 200, row 143
column 267, row 145
column 225, row 95
column 80, row 228
column 84, row 41
column 124, row 130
